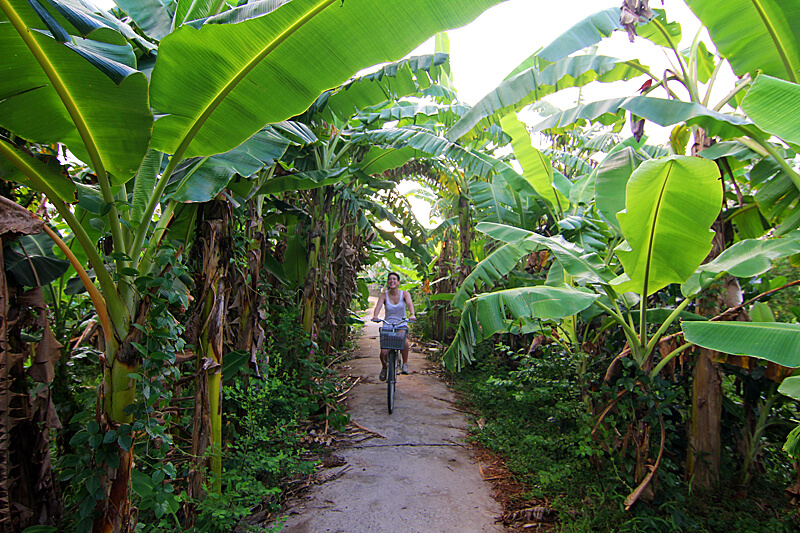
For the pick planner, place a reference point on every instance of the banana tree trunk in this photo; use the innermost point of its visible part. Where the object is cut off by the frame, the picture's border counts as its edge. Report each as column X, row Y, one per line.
column 117, row 392
column 310, row 286
column 251, row 334
column 703, row 456
column 465, row 233
column 212, row 250
column 28, row 491
column 443, row 285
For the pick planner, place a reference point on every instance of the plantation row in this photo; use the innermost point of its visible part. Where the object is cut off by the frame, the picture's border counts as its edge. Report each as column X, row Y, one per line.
column 192, row 215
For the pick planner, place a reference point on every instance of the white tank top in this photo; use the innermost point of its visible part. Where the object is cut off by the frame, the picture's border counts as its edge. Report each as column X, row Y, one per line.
column 395, row 312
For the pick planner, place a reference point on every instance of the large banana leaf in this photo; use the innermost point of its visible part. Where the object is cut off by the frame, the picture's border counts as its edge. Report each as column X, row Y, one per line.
column 303, row 181
column 531, row 85
column 495, row 201
column 379, row 159
column 584, row 34
column 492, row 269
column 583, row 190
column 487, row 314
column 772, row 341
column 97, row 107
column 507, row 199
column 774, row 105
column 754, row 35
column 86, row 20
column 612, row 178
column 426, row 141
column 201, row 179
column 744, row 259
column 791, row 387
column 670, row 206
column 390, row 82
column 535, row 165
column 584, row 267
column 414, row 113
column 661, row 111
column 776, row 194
column 594, row 29
column 219, row 84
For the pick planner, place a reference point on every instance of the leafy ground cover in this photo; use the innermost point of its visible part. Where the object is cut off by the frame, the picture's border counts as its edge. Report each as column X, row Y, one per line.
column 532, row 415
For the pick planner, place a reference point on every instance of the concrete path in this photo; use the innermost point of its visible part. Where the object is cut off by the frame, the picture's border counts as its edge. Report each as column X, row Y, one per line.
column 418, row 479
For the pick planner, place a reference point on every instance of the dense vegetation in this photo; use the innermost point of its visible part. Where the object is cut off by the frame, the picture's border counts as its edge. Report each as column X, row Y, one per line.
column 191, row 215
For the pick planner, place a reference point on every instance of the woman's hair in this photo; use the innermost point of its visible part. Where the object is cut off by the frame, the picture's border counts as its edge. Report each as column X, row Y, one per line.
column 393, row 274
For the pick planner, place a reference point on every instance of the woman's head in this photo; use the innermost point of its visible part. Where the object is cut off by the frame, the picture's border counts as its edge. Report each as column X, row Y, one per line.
column 394, row 275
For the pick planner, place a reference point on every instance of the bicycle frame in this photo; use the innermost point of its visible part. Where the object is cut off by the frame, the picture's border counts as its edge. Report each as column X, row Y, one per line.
column 393, row 358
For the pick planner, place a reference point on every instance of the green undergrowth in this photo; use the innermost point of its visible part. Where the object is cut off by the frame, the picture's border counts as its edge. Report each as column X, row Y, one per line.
column 534, row 413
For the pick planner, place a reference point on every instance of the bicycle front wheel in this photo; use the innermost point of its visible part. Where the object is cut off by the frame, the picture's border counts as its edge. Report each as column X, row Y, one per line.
column 391, row 378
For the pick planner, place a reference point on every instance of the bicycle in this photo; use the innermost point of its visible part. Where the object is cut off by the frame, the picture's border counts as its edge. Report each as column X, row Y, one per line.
column 394, row 340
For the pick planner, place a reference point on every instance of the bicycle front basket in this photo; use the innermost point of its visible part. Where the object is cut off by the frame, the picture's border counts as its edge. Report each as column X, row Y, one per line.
column 393, row 340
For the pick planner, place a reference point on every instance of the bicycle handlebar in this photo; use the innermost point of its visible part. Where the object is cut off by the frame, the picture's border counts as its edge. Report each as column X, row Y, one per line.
column 394, row 324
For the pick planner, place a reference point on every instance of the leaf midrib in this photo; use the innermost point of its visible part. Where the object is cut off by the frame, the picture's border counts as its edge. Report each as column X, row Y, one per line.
column 757, row 4
column 244, row 71
column 653, row 229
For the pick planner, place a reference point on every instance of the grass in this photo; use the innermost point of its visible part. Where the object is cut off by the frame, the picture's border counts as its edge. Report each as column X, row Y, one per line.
column 532, row 413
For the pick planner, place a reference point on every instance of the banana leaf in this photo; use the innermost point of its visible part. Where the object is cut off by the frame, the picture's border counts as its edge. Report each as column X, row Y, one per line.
column 670, row 206
column 428, row 143
column 774, row 105
column 201, row 179
column 217, row 85
column 303, row 181
column 744, row 259
column 492, row 269
column 790, row 387
column 582, row 191
column 380, row 159
column 151, row 16
column 536, row 167
column 584, row 267
column 487, row 314
column 32, row 261
column 143, row 184
column 661, row 111
column 86, row 20
column 772, row 341
column 584, row 34
column 110, row 99
column 53, row 173
column 390, row 82
column 414, row 113
column 612, row 179
column 531, row 85
column 754, row 36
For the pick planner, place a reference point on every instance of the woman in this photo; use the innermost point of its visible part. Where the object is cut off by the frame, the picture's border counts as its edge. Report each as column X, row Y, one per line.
column 396, row 302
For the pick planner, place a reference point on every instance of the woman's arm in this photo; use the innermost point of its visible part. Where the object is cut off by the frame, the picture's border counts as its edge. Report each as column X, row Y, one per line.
column 379, row 305
column 410, row 305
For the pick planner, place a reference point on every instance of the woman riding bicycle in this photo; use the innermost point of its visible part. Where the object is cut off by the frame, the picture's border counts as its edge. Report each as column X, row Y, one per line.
column 396, row 302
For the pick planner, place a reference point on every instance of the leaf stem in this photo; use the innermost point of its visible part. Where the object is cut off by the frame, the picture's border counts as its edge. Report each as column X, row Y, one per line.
column 630, row 333
column 666, row 324
column 119, row 313
column 661, row 364
column 97, row 299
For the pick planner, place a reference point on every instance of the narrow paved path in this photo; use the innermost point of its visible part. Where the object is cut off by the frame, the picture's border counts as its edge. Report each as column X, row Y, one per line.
column 418, row 479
